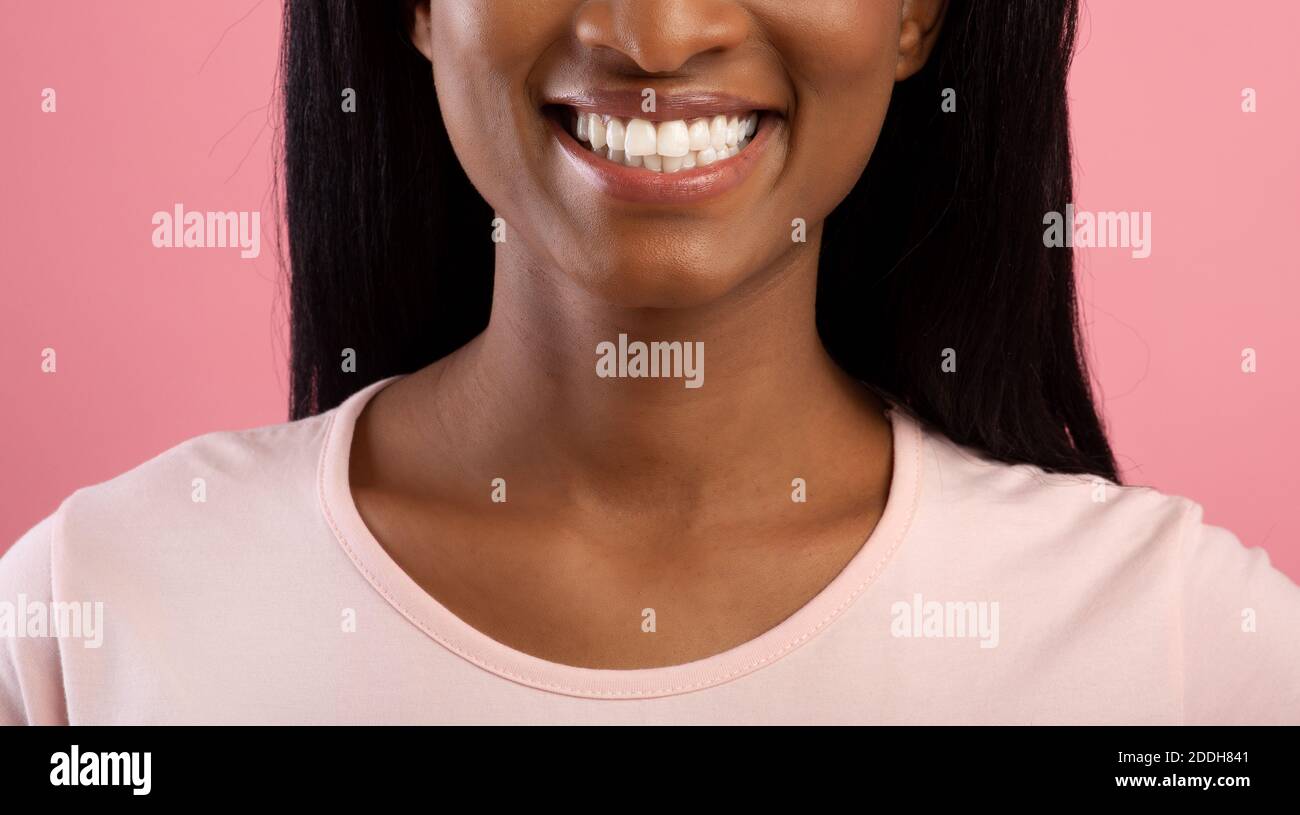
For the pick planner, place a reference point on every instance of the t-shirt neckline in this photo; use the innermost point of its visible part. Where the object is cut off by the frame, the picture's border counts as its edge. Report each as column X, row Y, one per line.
column 457, row 636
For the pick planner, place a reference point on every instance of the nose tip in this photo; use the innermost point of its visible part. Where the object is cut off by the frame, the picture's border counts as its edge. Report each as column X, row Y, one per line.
column 661, row 36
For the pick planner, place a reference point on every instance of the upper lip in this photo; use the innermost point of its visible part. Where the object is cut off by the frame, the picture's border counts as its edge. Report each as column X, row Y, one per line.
column 685, row 104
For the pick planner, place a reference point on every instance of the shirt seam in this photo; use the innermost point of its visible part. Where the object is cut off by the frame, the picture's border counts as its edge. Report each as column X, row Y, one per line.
column 464, row 653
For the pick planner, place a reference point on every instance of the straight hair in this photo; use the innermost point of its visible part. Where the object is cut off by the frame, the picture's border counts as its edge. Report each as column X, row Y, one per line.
column 935, row 285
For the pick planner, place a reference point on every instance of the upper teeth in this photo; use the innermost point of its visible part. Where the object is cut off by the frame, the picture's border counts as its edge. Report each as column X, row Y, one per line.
column 680, row 144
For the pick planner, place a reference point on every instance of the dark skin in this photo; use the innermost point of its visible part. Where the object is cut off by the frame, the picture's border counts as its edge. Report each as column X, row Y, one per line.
column 634, row 494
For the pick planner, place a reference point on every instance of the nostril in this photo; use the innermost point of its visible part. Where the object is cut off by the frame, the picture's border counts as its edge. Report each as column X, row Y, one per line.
column 660, row 60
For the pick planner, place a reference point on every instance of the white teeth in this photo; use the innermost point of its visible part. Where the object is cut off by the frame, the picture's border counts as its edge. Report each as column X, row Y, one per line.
column 699, row 133
column 642, row 139
column 673, row 138
column 615, row 134
column 596, row 129
column 665, row 147
column 718, row 132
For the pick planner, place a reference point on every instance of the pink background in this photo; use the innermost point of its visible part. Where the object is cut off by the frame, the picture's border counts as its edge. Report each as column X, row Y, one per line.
column 162, row 102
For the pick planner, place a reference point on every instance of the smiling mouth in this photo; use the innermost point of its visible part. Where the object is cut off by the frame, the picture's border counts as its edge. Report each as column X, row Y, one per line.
column 669, row 146
column 695, row 148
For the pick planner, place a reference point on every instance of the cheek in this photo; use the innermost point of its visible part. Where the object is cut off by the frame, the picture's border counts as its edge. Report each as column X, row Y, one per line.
column 502, row 36
column 842, row 56
column 483, row 52
column 823, row 39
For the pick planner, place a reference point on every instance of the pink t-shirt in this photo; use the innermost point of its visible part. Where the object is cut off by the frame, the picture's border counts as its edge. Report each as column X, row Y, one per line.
column 987, row 593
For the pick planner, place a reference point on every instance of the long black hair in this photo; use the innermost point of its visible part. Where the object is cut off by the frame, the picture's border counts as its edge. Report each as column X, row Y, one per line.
column 937, row 255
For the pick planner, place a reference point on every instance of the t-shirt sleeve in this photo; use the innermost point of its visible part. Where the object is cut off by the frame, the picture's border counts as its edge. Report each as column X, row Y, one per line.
column 1241, row 631
column 31, row 677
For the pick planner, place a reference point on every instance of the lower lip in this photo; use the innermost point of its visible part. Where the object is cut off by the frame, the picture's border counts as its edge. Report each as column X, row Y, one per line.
column 643, row 186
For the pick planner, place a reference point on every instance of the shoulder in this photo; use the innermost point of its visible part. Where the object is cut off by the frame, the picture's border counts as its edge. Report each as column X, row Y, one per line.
column 221, row 476
column 1084, row 520
column 1134, row 571
column 30, row 692
column 1029, row 505
column 219, row 488
column 212, row 468
column 144, row 558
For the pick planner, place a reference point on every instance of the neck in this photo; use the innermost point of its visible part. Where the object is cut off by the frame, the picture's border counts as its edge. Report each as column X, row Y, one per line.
column 525, row 395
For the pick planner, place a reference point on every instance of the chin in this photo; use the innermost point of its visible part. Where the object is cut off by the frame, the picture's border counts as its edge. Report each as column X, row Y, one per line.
column 655, row 281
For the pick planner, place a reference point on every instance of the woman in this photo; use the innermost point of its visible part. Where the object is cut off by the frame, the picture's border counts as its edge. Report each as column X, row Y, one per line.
column 772, row 409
